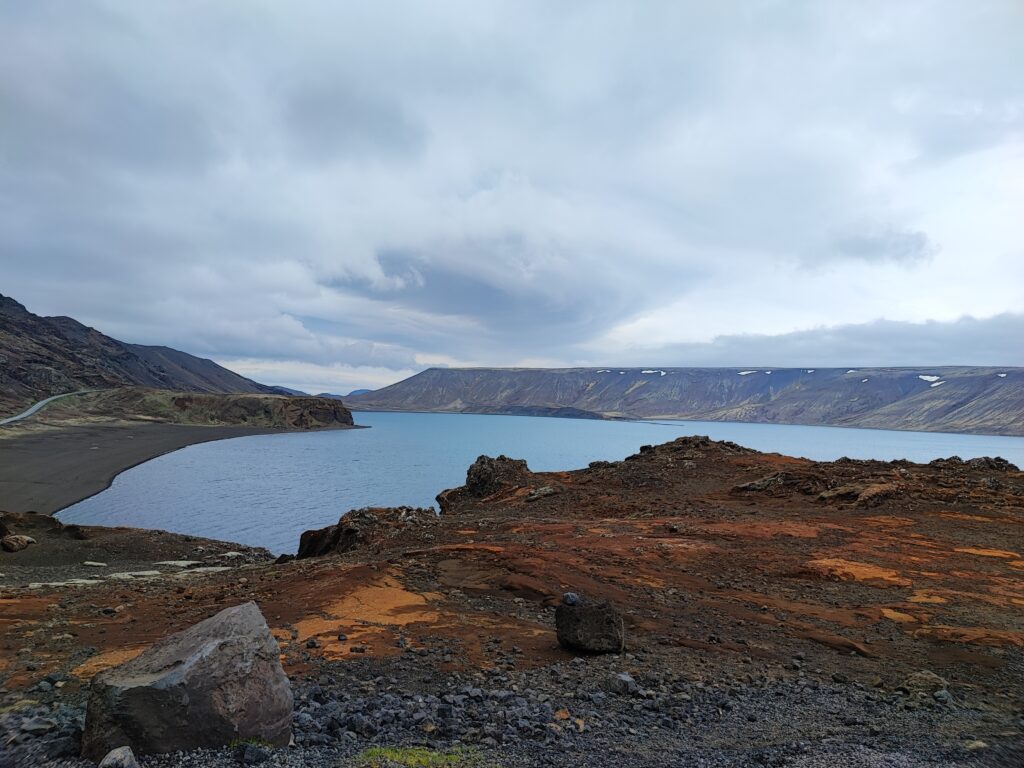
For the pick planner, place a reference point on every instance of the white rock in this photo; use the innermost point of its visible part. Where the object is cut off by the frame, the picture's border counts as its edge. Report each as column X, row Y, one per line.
column 179, row 563
column 122, row 757
column 184, row 574
column 128, row 575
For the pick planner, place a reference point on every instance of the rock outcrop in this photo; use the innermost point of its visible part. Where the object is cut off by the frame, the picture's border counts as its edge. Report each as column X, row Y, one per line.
column 218, row 681
column 45, row 356
column 253, row 410
column 489, row 475
column 16, row 542
column 486, row 476
column 361, row 527
column 590, row 626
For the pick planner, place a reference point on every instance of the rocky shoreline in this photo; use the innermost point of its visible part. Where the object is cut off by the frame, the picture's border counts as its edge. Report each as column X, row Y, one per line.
column 776, row 612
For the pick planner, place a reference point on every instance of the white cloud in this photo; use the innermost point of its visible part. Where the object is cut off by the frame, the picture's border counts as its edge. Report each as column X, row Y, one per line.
column 330, row 183
column 312, row 378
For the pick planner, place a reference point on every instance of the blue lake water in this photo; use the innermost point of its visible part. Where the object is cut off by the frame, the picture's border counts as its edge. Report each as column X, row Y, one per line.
column 266, row 489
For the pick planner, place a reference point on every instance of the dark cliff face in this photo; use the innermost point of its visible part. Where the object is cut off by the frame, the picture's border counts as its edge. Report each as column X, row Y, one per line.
column 960, row 399
column 43, row 356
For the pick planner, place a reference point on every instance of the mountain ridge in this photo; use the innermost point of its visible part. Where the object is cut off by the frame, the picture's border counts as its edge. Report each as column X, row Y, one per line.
column 43, row 356
column 972, row 399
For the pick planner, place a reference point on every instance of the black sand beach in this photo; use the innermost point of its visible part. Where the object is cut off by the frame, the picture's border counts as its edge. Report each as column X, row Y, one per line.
column 47, row 469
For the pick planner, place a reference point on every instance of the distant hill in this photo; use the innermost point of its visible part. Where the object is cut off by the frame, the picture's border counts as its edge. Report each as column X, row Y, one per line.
column 334, row 396
column 43, row 356
column 945, row 399
column 291, row 392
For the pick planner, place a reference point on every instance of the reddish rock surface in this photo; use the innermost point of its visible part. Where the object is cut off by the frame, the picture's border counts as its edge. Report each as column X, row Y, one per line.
column 717, row 572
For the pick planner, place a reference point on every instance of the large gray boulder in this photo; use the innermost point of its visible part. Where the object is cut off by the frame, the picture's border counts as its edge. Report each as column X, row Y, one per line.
column 590, row 626
column 216, row 682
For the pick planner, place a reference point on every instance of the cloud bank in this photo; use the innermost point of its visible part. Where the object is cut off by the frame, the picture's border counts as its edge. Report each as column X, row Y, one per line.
column 330, row 195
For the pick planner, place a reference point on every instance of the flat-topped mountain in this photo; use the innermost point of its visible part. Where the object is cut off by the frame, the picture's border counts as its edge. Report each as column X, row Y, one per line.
column 943, row 399
column 43, row 356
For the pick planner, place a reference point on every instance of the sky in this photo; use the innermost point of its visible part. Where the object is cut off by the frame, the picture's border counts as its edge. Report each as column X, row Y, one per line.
column 331, row 195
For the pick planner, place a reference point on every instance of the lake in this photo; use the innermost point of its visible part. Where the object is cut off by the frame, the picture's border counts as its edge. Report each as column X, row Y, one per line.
column 266, row 489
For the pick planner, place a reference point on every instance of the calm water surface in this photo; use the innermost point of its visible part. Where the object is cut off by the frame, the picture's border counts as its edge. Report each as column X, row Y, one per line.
column 265, row 490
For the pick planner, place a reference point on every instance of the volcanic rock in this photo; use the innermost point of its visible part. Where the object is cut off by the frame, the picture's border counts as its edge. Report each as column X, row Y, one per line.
column 485, row 477
column 764, row 483
column 623, row 684
column 341, row 537
column 923, row 681
column 122, row 757
column 360, row 527
column 16, row 542
column 589, row 625
column 875, row 494
column 216, row 682
column 997, row 463
column 541, row 492
column 849, row 491
column 489, row 475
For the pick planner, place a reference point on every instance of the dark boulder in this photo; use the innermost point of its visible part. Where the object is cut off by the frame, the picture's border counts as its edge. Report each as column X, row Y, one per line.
column 622, row 684
column 216, row 682
column 590, row 626
column 489, row 475
column 361, row 527
column 997, row 463
column 484, row 477
column 343, row 536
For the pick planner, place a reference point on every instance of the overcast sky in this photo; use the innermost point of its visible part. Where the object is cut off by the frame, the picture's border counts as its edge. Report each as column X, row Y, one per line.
column 329, row 195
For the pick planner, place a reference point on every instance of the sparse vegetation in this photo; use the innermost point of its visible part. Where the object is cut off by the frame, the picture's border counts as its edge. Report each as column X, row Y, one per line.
column 417, row 757
column 254, row 741
column 18, row 705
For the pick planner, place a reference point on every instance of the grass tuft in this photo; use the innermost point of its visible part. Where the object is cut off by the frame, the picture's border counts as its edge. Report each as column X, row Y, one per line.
column 415, row 757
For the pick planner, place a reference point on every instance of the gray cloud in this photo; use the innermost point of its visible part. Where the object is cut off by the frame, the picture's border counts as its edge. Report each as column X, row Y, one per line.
column 871, row 242
column 388, row 186
column 983, row 342
column 330, row 121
